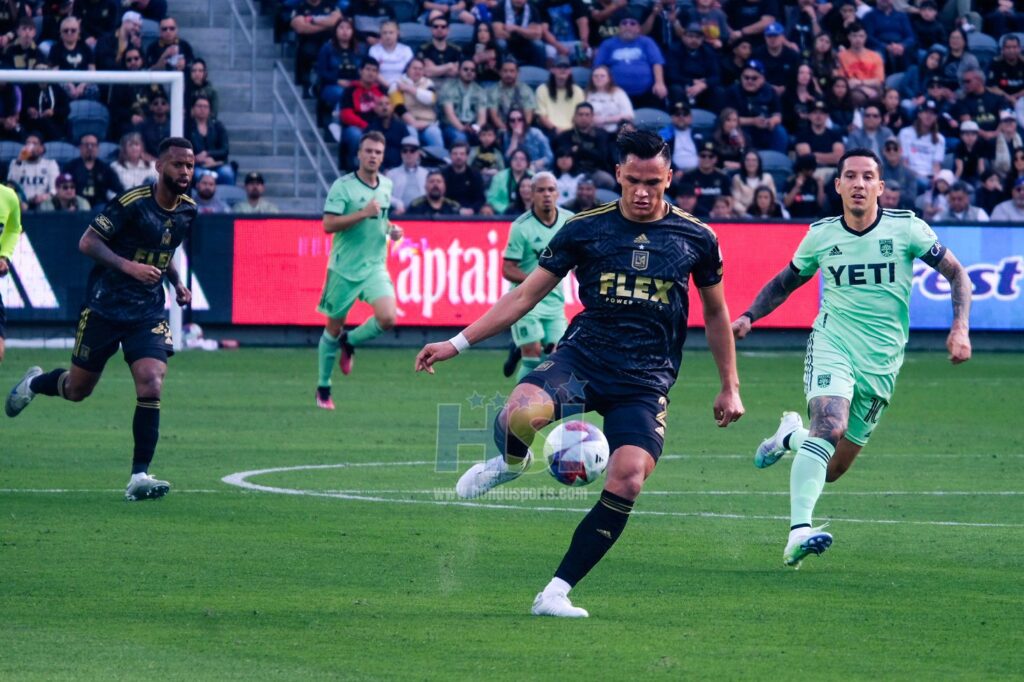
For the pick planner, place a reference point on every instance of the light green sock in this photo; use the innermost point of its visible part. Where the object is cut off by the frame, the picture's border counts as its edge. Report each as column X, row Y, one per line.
column 797, row 438
column 367, row 331
column 527, row 366
column 807, row 478
column 327, row 355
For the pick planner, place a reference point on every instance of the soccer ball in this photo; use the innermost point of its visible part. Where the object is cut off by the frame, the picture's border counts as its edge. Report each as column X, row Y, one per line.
column 577, row 453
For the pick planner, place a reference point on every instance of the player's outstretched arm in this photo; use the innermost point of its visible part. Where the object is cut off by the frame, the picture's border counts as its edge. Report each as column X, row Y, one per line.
column 771, row 296
column 727, row 407
column 958, row 343
column 507, row 310
column 93, row 246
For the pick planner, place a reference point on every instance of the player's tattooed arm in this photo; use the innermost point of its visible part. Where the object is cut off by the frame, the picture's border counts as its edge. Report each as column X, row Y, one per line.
column 93, row 246
column 771, row 296
column 958, row 343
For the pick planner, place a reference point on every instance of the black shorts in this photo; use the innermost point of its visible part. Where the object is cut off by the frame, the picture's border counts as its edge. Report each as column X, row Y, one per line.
column 633, row 415
column 3, row 319
column 98, row 338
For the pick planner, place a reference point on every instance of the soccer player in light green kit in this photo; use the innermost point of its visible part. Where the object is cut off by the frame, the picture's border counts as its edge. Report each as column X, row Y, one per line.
column 855, row 349
column 10, row 230
column 356, row 213
column 543, row 326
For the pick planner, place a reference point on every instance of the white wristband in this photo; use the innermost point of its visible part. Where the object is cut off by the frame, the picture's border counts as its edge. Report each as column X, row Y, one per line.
column 460, row 342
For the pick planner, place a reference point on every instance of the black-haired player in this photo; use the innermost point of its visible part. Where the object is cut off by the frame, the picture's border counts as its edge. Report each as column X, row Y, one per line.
column 620, row 356
column 133, row 242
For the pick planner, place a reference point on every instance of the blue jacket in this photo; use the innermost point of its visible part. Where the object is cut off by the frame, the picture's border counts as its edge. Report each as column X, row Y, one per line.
column 883, row 29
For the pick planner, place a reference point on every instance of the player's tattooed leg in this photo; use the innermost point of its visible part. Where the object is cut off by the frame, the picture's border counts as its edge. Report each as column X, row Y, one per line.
column 829, row 417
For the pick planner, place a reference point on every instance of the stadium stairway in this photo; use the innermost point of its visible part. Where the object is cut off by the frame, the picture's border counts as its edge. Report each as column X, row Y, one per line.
column 250, row 132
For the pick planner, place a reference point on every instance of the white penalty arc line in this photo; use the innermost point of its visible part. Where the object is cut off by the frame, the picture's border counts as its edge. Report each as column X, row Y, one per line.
column 240, row 480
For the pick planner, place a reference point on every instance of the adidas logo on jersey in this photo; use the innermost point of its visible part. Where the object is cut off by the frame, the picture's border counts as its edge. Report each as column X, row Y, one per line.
column 835, row 251
column 642, row 239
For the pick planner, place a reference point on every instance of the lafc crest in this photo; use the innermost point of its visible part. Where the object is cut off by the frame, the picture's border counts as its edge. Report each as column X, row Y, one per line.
column 641, row 259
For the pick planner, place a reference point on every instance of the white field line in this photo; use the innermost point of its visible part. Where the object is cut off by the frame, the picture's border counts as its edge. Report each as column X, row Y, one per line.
column 240, row 479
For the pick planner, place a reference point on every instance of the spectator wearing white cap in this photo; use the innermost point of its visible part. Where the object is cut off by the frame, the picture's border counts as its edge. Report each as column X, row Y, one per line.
column 1007, row 140
column 934, row 200
column 971, row 155
column 110, row 48
column 960, row 209
column 408, row 180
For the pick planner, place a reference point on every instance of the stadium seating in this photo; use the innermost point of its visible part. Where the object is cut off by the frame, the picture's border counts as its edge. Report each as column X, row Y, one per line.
column 703, row 121
column 654, row 120
column 581, row 76
column 88, row 118
column 460, row 34
column 982, row 46
column 230, row 194
column 405, row 10
column 533, row 75
column 109, row 151
column 9, row 150
column 894, row 80
column 413, row 34
column 778, row 165
column 61, row 152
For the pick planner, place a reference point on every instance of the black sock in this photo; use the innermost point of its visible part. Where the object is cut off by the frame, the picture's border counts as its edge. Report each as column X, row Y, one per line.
column 508, row 443
column 785, row 441
column 146, row 429
column 595, row 535
column 51, row 383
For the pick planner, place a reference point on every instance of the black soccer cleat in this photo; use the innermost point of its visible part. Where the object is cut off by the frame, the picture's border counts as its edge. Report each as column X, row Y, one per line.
column 514, row 355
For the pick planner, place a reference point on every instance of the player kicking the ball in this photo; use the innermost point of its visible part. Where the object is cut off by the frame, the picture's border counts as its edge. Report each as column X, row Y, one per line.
column 620, row 356
column 543, row 326
column 356, row 213
column 133, row 242
column 855, row 349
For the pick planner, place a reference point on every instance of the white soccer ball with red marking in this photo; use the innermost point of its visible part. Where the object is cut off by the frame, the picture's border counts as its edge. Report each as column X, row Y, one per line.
column 577, row 453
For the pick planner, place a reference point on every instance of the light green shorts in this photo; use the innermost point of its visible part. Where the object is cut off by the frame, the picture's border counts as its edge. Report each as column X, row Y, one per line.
column 340, row 294
column 829, row 370
column 533, row 328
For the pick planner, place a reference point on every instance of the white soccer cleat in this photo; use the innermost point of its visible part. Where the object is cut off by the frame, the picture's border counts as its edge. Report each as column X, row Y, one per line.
column 805, row 541
column 556, row 604
column 21, row 395
column 145, row 487
column 483, row 476
column 771, row 449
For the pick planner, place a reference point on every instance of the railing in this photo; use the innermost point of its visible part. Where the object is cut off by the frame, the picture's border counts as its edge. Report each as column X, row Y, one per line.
column 288, row 101
column 248, row 27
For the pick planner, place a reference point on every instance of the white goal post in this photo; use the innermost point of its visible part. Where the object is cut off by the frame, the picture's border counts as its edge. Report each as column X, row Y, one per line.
column 174, row 79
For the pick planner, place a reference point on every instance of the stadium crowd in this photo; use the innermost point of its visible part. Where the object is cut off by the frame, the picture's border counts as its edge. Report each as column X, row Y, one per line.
column 758, row 99
column 74, row 146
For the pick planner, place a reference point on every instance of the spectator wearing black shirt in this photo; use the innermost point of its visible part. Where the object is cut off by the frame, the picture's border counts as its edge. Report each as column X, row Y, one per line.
column 485, row 54
column 110, row 48
column 313, row 22
column 692, row 69
column 759, row 108
column 803, row 27
column 970, row 158
column 824, row 143
column 464, row 184
column 11, row 13
column 928, row 30
column 590, row 147
column 129, row 102
column 841, row 108
column 521, row 26
column 337, row 64
column 99, row 17
column 804, row 195
column 72, row 54
column 708, row 182
column 980, row 105
column 156, row 126
column 440, row 58
column 567, row 22
column 990, row 192
column 894, row 117
column 209, row 140
column 368, row 16
column 1006, row 72
column 44, row 109
column 22, row 52
column 780, row 61
column 94, row 179
column 1004, row 20
column 434, row 203
column 751, row 17
column 732, row 65
column 154, row 10
column 10, row 111
column 170, row 52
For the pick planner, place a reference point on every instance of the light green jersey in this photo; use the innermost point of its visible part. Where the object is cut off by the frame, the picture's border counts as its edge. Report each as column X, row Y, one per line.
column 867, row 277
column 357, row 251
column 527, row 239
column 10, row 221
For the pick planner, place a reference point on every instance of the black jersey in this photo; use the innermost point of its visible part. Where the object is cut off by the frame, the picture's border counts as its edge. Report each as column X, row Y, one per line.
column 634, row 284
column 135, row 227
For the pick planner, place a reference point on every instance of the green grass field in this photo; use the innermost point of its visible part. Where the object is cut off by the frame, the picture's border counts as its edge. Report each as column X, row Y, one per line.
column 217, row 582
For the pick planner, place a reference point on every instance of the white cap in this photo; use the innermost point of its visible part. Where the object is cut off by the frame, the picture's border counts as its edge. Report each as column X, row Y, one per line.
column 131, row 17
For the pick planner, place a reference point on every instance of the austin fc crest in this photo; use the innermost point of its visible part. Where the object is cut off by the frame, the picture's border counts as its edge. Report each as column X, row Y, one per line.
column 824, row 380
column 641, row 259
column 885, row 246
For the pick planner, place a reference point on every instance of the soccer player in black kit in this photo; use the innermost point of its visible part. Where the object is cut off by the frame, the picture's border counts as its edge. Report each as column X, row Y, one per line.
column 132, row 241
column 633, row 259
